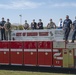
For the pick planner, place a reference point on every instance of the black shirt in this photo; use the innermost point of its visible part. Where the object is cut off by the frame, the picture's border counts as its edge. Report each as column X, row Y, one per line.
column 2, row 23
column 40, row 25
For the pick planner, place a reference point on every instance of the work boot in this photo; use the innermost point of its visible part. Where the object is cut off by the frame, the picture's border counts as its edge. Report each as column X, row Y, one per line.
column 72, row 41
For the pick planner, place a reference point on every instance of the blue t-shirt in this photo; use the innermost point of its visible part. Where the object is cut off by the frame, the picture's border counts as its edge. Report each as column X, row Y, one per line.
column 74, row 24
column 67, row 23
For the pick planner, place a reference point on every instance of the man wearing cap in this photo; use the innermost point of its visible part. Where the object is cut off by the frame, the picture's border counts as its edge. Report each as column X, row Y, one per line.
column 3, row 37
column 66, row 27
column 40, row 24
column 7, row 26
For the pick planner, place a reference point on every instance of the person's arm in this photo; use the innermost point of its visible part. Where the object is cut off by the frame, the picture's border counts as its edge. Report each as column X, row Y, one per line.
column 5, row 27
column 31, row 25
column 63, row 24
column 72, row 26
column 4, row 24
column 28, row 26
column 42, row 25
column 47, row 25
column 1, row 25
column 54, row 25
column 10, row 26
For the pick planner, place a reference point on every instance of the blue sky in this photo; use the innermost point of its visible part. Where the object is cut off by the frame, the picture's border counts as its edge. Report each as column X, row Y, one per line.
column 37, row 9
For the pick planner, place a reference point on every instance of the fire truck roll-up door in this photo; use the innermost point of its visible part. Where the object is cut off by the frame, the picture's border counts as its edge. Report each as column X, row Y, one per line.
column 16, row 51
column 4, row 53
column 45, row 53
column 30, row 53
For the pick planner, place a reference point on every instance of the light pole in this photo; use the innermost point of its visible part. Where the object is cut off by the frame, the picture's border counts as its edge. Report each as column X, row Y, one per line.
column 20, row 19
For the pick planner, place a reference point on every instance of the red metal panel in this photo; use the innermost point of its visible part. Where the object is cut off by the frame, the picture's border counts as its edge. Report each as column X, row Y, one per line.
column 45, row 53
column 43, row 33
column 57, row 58
column 16, row 45
column 16, row 57
column 48, row 58
column 32, row 33
column 30, row 58
column 18, row 34
column 1, row 57
column 30, row 53
column 4, row 44
column 41, row 58
column 16, row 52
column 30, row 45
column 26, row 57
column 6, row 57
column 4, row 52
column 45, row 45
column 24, row 34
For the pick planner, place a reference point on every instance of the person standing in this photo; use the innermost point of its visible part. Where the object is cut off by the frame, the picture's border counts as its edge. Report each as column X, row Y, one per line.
column 40, row 24
column 26, row 25
column 3, row 37
column 51, row 25
column 74, row 29
column 7, row 26
column 33, row 24
column 67, row 27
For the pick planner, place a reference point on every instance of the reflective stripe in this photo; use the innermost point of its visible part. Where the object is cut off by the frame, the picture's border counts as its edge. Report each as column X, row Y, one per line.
column 55, row 50
column 59, row 58
column 45, row 65
column 16, row 64
column 44, row 50
column 4, row 63
column 30, row 50
column 57, row 66
column 16, row 50
column 29, row 65
column 4, row 49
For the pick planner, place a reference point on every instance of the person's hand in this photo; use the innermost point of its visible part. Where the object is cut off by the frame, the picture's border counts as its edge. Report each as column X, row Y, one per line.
column 72, row 29
column 63, row 28
column 2, row 27
column 6, row 30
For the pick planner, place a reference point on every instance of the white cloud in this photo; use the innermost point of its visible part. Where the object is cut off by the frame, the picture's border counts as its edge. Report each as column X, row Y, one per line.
column 21, row 5
column 63, row 5
column 28, row 4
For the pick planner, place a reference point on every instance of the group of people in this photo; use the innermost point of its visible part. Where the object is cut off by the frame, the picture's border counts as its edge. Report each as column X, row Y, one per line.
column 5, row 27
column 39, row 25
column 34, row 25
column 66, row 25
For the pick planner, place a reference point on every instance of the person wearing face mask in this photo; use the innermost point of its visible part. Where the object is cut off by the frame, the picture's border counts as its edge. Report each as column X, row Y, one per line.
column 60, row 25
column 3, row 37
column 7, row 26
column 51, row 25
column 74, row 30
column 67, row 27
